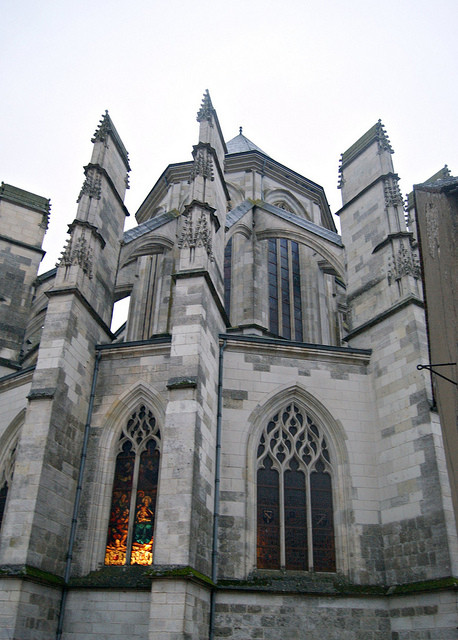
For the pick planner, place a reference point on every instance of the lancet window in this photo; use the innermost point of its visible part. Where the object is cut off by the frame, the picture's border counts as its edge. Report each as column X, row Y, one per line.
column 285, row 307
column 133, row 504
column 6, row 478
column 227, row 275
column 295, row 529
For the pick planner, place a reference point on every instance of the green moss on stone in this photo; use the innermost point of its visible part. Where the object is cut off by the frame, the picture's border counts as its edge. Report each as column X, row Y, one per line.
column 425, row 585
column 170, row 571
column 110, row 577
column 31, row 573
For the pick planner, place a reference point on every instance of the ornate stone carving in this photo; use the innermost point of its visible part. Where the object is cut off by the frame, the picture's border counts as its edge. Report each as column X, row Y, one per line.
column 92, row 186
column 393, row 196
column 203, row 164
column 404, row 263
column 77, row 253
column 44, row 224
column 383, row 140
column 206, row 109
column 432, row 230
column 196, row 233
column 102, row 131
column 281, row 204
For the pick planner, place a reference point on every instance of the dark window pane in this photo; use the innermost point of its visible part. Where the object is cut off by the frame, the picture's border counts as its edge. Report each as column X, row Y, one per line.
column 227, row 275
column 324, row 557
column 3, row 494
column 273, row 288
column 268, row 517
column 295, row 521
column 297, row 293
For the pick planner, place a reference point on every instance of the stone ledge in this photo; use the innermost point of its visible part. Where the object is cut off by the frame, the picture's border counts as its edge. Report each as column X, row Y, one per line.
column 136, row 577
column 332, row 585
column 26, row 572
column 112, row 577
column 185, row 382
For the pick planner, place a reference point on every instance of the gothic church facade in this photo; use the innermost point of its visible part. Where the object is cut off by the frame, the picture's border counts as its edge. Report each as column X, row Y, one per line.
column 253, row 454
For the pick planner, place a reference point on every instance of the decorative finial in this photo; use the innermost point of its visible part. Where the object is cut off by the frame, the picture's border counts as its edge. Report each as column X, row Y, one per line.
column 103, row 128
column 206, row 108
column 240, row 130
column 382, row 137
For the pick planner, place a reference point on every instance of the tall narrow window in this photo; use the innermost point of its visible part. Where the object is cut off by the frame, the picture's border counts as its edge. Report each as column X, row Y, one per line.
column 6, row 477
column 133, row 504
column 295, row 529
column 285, row 307
column 227, row 276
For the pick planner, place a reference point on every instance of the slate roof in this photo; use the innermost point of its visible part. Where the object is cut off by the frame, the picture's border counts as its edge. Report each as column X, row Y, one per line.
column 149, row 225
column 240, row 143
column 237, row 214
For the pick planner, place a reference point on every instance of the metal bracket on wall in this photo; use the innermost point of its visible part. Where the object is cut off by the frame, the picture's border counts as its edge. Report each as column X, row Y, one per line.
column 430, row 367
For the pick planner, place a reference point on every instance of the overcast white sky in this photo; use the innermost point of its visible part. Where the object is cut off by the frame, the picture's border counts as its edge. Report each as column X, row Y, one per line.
column 304, row 78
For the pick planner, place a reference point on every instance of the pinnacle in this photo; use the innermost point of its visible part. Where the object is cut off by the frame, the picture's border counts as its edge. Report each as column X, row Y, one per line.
column 206, row 108
column 103, row 127
column 106, row 128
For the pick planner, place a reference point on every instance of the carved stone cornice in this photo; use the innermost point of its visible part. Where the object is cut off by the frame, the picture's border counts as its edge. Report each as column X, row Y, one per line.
column 405, row 262
column 77, row 252
column 92, row 186
column 87, row 225
column 196, row 230
column 393, row 196
column 203, row 162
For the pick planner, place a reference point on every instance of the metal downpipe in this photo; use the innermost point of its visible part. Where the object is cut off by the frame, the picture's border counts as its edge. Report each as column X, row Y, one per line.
column 217, row 485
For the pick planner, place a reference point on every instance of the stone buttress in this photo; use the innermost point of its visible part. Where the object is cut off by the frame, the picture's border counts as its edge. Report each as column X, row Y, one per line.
column 386, row 314
column 23, row 222
column 35, row 531
column 185, row 502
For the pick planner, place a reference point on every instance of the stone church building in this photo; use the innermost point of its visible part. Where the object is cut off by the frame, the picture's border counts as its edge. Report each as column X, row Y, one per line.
column 253, row 454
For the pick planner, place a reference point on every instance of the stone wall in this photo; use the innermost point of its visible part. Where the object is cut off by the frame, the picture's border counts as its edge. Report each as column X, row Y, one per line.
column 106, row 615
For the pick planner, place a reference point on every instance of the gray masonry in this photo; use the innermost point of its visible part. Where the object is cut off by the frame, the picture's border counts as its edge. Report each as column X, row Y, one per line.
column 245, row 305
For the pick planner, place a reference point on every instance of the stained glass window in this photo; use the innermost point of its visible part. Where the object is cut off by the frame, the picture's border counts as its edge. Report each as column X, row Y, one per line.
column 133, row 503
column 283, row 273
column 295, row 528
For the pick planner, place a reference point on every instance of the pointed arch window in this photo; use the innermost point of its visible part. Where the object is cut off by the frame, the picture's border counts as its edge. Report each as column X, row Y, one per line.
column 130, row 535
column 6, row 477
column 295, row 528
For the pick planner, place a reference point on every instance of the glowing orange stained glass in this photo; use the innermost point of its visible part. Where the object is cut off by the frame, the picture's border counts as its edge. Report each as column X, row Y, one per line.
column 133, row 504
